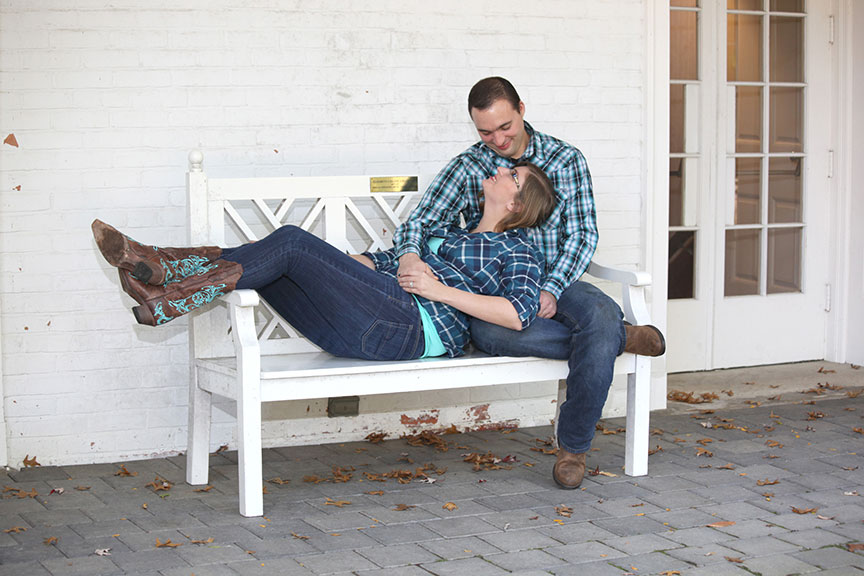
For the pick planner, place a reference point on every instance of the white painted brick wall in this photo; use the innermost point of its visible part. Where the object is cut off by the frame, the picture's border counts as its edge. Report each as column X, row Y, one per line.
column 107, row 98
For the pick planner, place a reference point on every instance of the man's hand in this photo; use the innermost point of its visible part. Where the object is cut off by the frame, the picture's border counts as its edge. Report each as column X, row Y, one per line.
column 548, row 305
column 411, row 265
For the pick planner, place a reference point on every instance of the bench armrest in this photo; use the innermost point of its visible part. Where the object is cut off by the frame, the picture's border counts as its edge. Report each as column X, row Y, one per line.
column 633, row 285
column 243, row 298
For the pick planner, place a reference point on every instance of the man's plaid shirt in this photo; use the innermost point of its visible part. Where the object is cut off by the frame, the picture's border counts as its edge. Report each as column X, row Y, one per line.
column 567, row 239
column 491, row 263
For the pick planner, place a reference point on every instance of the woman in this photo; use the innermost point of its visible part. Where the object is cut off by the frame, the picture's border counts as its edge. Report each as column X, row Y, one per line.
column 357, row 306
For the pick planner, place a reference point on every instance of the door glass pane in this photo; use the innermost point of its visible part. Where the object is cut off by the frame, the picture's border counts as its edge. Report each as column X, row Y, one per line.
column 744, row 4
column 676, row 118
column 682, row 247
column 784, row 260
column 684, row 45
column 784, row 190
column 676, row 191
column 748, row 119
column 742, row 262
column 744, row 48
column 748, row 190
column 786, row 120
column 685, row 3
column 787, row 5
column 786, row 52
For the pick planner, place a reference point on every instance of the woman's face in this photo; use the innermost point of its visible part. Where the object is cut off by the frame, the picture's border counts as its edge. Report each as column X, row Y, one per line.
column 506, row 184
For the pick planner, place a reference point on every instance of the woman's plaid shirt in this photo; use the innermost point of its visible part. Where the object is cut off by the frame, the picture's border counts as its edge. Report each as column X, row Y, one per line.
column 491, row 263
column 567, row 239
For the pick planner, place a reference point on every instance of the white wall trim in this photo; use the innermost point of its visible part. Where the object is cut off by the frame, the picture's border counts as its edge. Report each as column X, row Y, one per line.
column 656, row 176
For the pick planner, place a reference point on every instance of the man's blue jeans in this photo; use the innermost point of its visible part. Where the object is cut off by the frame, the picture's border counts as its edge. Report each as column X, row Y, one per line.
column 336, row 302
column 588, row 331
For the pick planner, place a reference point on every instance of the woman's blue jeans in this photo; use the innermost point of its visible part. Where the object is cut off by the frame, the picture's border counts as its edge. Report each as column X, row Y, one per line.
column 336, row 302
column 588, row 331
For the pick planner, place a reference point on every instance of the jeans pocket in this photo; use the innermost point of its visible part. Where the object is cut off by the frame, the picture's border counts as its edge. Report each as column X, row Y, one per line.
column 388, row 340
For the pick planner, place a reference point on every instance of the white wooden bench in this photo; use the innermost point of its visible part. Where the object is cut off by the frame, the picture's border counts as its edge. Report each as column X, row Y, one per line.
column 238, row 356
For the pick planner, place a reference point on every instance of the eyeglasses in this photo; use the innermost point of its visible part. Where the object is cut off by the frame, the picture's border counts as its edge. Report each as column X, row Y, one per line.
column 515, row 176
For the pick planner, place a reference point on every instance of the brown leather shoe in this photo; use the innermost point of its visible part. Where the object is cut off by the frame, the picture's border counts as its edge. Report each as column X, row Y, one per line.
column 151, row 264
column 644, row 340
column 569, row 469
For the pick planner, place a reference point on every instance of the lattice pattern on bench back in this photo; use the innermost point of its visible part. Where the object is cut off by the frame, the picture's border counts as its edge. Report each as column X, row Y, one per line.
column 342, row 209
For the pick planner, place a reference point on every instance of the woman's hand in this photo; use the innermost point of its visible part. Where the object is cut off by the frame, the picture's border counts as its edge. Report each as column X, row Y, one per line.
column 422, row 283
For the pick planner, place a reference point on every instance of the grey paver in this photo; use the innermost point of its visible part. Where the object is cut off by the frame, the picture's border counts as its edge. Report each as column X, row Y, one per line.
column 779, row 565
column 631, row 525
column 516, row 540
column 585, row 552
column 456, row 527
column 336, row 562
column 399, row 555
column 455, row 548
column 642, row 544
column 831, row 557
column 473, row 566
column 764, row 546
column 524, row 560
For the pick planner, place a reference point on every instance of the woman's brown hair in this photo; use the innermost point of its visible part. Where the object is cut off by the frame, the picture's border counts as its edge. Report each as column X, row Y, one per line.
column 536, row 200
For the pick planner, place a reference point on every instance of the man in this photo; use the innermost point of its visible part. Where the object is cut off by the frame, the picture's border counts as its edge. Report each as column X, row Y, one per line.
column 576, row 321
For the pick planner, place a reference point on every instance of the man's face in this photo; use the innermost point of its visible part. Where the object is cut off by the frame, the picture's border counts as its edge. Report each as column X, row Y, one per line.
column 501, row 128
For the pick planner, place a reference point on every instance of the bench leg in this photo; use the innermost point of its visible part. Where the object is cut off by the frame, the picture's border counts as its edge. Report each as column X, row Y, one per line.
column 562, row 396
column 638, row 403
column 248, row 412
column 198, row 443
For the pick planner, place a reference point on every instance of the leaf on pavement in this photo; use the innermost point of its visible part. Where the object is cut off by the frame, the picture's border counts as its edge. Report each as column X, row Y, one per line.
column 337, row 503
column 721, row 524
column 167, row 543
column 450, row 506
column 30, row 462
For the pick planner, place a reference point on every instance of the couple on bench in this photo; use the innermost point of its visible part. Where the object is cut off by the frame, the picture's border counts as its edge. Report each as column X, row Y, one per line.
column 508, row 279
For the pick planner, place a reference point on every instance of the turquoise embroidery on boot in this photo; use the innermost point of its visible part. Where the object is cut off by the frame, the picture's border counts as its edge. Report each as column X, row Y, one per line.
column 203, row 296
column 177, row 270
column 159, row 315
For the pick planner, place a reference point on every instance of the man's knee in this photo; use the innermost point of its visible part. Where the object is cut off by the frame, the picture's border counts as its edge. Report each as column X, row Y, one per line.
column 588, row 304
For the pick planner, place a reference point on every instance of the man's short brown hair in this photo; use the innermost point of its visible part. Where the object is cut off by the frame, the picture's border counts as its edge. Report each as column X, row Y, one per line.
column 487, row 91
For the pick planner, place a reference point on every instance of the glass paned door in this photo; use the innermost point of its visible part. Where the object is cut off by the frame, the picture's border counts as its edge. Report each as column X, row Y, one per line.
column 747, row 165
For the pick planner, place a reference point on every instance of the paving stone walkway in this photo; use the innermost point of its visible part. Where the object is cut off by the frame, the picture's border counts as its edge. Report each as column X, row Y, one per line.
column 771, row 490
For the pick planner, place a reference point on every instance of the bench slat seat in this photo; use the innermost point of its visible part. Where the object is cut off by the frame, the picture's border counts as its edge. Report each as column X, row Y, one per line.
column 235, row 356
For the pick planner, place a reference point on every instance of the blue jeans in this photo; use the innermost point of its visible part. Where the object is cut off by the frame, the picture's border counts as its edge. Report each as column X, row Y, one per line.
column 588, row 331
column 336, row 302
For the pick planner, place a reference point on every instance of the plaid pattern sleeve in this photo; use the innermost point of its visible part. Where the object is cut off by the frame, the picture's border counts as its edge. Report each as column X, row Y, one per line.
column 453, row 191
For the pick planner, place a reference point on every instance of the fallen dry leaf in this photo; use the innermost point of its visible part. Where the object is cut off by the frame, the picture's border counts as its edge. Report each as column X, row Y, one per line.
column 50, row 540
column 223, row 448
column 855, row 547
column 102, row 551
column 704, row 441
column 207, row 541
column 82, row 488
column 427, row 438
column 729, row 466
column 11, row 140
column 375, row 492
column 704, row 452
column 823, row 370
column 767, row 482
column 450, row 506
column 124, row 472
column 773, row 444
column 721, row 524
column 804, row 510
column 565, row 511
column 167, row 543
column 31, row 494
column 298, row 536
column 670, row 573
column 376, row 437
column 858, row 430
column 337, row 503
column 690, row 398
column 207, row 488
column 736, row 559
column 30, row 462
column 15, row 530
column 159, row 483
column 854, row 394
column 655, row 450
column 403, row 507
column 815, row 415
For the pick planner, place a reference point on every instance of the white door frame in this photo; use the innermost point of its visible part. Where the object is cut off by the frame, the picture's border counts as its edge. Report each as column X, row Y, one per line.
column 655, row 177
column 845, row 335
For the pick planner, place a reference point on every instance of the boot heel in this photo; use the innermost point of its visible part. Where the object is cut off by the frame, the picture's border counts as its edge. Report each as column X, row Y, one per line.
column 143, row 315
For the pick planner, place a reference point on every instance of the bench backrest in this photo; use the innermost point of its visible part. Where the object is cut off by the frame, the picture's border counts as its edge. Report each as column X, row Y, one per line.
column 353, row 213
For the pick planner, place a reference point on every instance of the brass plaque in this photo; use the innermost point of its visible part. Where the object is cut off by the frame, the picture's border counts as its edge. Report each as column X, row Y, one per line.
column 393, row 184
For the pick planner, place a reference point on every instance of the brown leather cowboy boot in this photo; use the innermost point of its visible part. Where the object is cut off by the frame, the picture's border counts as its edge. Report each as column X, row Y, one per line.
column 644, row 340
column 161, row 304
column 569, row 469
column 151, row 264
